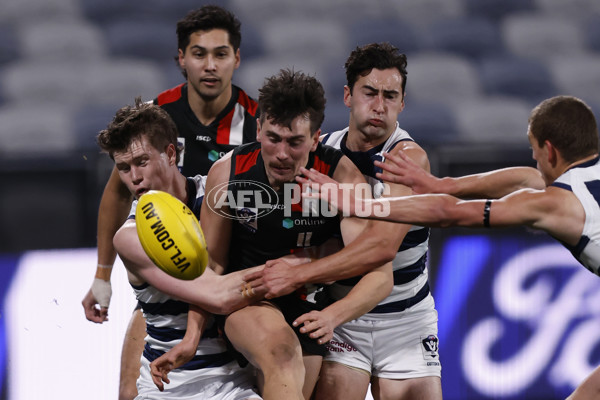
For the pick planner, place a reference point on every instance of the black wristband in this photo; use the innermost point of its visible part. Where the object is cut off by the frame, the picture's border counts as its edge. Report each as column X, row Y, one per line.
column 486, row 213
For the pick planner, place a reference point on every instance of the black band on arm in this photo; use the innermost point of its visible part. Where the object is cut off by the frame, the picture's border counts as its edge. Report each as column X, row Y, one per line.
column 486, row 213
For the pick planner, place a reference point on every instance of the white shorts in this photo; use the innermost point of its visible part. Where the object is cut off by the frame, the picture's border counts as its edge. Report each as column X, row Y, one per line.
column 229, row 382
column 391, row 346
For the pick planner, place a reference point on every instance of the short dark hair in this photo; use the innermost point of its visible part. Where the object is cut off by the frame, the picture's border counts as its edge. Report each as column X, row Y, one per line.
column 133, row 122
column 374, row 55
column 568, row 123
column 207, row 18
column 289, row 94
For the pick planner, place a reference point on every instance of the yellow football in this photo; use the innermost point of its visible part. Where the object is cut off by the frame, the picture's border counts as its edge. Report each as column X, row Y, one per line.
column 171, row 235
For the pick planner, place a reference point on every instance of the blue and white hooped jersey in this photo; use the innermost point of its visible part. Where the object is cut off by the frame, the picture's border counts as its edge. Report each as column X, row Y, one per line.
column 410, row 269
column 583, row 181
column 166, row 317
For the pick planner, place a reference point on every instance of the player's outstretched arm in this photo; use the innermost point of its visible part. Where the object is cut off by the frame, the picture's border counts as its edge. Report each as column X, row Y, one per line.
column 399, row 168
column 183, row 351
column 113, row 210
column 210, row 291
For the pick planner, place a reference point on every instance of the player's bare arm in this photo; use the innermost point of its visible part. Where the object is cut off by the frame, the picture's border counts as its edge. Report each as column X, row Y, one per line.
column 400, row 168
column 377, row 245
column 372, row 288
column 217, row 230
column 114, row 207
column 183, row 351
column 214, row 293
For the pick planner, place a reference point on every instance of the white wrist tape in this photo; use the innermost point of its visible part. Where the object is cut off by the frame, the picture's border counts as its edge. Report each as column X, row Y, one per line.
column 102, row 291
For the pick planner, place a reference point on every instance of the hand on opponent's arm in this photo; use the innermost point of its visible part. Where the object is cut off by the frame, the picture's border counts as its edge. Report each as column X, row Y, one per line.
column 279, row 277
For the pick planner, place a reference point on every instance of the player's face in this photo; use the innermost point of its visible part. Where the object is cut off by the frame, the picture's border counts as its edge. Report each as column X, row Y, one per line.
column 209, row 61
column 142, row 167
column 375, row 103
column 540, row 155
column 285, row 150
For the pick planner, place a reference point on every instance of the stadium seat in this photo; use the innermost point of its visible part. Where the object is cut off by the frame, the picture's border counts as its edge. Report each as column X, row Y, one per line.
column 420, row 13
column 311, row 38
column 492, row 120
column 337, row 116
column 395, row 31
column 106, row 11
column 515, row 76
column 9, row 44
column 496, row 10
column 252, row 73
column 87, row 121
column 541, row 37
column 75, row 83
column 471, row 37
column 29, row 11
column 61, row 40
column 253, row 44
column 441, row 77
column 592, row 33
column 578, row 76
column 45, row 129
column 152, row 39
column 577, row 9
column 429, row 123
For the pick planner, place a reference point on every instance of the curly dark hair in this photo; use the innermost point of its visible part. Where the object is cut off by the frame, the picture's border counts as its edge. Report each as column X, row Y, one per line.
column 133, row 122
column 374, row 55
column 568, row 123
column 289, row 94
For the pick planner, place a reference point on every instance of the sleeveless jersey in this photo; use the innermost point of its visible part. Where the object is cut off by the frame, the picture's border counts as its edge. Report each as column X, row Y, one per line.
column 268, row 225
column 166, row 317
column 203, row 145
column 409, row 265
column 583, row 181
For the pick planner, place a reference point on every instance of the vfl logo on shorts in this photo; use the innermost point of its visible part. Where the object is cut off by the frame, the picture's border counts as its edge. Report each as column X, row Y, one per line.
column 430, row 347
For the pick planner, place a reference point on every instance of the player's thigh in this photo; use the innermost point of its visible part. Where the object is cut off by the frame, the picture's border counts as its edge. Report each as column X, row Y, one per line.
column 260, row 333
column 133, row 347
column 340, row 382
column 426, row 388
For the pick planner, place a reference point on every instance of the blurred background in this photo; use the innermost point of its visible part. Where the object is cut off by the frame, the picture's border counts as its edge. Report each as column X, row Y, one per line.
column 475, row 70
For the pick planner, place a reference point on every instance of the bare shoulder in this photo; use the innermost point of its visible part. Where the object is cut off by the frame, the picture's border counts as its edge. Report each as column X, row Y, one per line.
column 414, row 152
column 124, row 236
column 219, row 172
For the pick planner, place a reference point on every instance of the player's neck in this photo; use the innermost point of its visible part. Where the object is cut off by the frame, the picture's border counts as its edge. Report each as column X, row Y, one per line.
column 583, row 160
column 207, row 109
column 179, row 188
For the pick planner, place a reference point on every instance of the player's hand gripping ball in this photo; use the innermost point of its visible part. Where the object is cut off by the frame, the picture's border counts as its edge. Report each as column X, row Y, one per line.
column 171, row 235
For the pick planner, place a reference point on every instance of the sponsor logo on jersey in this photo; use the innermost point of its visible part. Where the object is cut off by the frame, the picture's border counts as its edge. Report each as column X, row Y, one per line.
column 289, row 223
column 214, row 155
column 201, row 138
column 235, row 199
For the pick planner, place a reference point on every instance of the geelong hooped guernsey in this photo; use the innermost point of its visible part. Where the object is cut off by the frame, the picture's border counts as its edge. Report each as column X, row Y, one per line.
column 409, row 265
column 583, row 181
column 270, row 226
column 166, row 317
column 204, row 144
